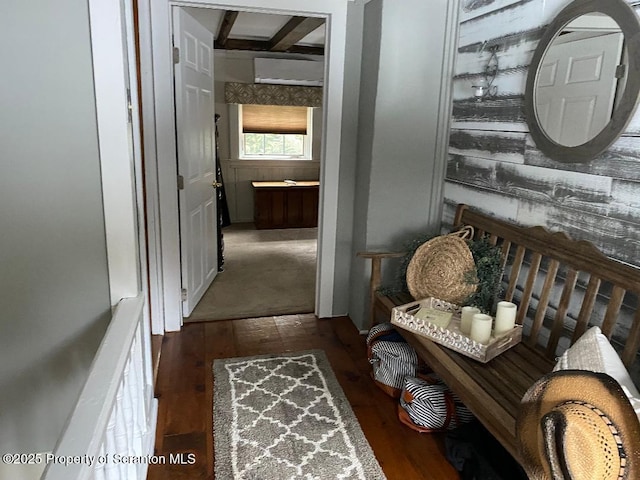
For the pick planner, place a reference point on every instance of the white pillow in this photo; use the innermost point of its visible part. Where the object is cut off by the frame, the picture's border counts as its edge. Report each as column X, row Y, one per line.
column 635, row 401
column 592, row 351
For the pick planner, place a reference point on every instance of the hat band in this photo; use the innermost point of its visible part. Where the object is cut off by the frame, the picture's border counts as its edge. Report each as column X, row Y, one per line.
column 612, row 428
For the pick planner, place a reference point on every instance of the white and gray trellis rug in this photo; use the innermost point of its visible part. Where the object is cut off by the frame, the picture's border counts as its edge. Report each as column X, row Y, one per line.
column 286, row 417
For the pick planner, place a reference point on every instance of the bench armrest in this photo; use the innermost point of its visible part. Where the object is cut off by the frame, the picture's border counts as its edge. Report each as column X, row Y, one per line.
column 374, row 281
column 381, row 255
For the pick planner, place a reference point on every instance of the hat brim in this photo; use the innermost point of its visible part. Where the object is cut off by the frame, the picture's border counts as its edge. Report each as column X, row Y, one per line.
column 556, row 388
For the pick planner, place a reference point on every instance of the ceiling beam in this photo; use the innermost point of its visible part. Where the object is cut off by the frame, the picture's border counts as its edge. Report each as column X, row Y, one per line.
column 294, row 30
column 229, row 19
column 265, row 46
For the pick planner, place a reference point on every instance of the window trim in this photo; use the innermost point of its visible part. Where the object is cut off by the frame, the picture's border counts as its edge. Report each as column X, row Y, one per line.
column 237, row 143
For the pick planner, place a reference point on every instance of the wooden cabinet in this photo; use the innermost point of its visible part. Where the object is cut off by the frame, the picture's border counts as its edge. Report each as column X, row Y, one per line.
column 285, row 205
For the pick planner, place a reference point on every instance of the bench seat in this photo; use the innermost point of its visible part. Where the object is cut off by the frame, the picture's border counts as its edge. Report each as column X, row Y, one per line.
column 493, row 390
column 561, row 287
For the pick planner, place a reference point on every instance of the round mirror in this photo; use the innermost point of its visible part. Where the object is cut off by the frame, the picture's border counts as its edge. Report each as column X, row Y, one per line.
column 584, row 80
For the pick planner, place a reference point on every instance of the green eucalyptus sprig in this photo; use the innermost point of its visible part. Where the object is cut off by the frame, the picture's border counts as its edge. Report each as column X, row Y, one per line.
column 488, row 274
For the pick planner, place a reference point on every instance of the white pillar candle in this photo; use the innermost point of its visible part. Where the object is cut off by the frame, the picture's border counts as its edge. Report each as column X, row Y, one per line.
column 465, row 318
column 481, row 327
column 505, row 317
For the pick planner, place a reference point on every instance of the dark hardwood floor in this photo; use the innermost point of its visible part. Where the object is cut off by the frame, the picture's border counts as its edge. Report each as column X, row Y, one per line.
column 185, row 391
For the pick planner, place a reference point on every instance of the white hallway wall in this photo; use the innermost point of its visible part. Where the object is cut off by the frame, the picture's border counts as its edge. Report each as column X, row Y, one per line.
column 54, row 283
column 403, row 126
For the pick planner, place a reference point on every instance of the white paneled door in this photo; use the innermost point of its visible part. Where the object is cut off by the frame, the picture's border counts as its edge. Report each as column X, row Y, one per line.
column 196, row 156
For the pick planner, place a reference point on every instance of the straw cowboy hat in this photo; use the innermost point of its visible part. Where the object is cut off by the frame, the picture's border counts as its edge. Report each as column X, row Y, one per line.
column 574, row 425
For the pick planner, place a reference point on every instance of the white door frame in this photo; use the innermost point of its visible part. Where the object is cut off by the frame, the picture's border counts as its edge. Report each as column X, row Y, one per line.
column 159, row 143
column 111, row 33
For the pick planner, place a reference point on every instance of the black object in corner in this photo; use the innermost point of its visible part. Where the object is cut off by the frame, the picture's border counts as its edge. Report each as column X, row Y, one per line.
column 224, row 218
column 477, row 455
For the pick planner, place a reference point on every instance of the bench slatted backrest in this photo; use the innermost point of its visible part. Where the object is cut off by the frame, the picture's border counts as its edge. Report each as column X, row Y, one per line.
column 539, row 264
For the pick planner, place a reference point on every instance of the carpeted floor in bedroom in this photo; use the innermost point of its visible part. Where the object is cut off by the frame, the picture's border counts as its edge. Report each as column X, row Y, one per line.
column 266, row 272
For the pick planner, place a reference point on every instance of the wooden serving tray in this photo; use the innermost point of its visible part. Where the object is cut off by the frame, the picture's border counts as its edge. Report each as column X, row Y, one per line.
column 451, row 336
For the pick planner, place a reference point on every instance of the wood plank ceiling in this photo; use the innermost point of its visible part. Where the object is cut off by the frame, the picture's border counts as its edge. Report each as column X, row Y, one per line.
column 284, row 40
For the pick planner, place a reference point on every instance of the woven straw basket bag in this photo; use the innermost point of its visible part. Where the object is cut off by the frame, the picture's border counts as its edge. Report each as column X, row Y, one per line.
column 441, row 267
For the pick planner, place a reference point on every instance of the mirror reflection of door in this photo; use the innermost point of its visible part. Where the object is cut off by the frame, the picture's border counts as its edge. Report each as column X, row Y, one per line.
column 576, row 85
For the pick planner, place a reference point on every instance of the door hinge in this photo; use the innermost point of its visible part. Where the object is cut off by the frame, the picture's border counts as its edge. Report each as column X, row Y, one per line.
column 176, row 55
column 180, row 182
column 129, row 106
column 184, row 294
column 621, row 71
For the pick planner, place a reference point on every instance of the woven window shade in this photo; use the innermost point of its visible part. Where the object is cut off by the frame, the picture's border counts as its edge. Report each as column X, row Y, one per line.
column 274, row 119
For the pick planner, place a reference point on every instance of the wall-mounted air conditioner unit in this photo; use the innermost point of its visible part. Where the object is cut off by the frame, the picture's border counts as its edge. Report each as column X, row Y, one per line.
column 288, row 72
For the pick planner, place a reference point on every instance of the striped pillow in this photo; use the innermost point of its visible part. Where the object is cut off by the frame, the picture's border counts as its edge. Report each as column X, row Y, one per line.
column 391, row 358
column 392, row 362
column 428, row 405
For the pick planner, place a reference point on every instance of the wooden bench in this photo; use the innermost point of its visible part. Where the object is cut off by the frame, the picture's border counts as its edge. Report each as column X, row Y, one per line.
column 561, row 287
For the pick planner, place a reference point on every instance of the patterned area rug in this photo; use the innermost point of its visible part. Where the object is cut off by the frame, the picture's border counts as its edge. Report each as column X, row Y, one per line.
column 286, row 417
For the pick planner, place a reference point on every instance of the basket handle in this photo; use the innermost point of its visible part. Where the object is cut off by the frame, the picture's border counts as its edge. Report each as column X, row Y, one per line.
column 463, row 233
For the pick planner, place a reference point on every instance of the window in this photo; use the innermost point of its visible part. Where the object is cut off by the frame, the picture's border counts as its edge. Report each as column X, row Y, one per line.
column 275, row 132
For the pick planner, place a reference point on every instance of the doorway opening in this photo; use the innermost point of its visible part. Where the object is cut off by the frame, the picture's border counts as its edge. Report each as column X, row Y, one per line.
column 263, row 272
column 158, row 112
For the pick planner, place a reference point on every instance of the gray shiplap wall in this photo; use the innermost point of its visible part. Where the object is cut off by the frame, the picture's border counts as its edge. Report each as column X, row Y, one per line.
column 494, row 164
